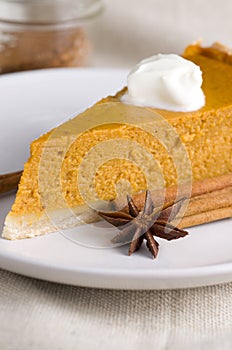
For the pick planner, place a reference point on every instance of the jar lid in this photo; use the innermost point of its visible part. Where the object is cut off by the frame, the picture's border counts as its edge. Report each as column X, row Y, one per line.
column 48, row 11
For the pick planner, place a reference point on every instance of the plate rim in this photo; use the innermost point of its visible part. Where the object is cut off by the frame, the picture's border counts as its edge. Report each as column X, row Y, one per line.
column 160, row 279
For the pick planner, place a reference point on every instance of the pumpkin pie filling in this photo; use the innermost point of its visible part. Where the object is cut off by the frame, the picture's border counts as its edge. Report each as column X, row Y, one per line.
column 206, row 135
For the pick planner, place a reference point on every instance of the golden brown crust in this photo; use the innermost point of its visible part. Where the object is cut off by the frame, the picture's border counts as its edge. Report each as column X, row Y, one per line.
column 217, row 51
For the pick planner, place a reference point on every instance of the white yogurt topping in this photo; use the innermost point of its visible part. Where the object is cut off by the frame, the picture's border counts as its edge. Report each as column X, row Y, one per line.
column 167, row 82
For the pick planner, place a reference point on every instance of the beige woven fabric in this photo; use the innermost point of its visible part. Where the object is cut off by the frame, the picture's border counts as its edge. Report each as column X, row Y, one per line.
column 41, row 315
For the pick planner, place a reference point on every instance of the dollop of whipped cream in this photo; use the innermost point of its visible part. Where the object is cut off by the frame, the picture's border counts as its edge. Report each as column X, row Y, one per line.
column 165, row 81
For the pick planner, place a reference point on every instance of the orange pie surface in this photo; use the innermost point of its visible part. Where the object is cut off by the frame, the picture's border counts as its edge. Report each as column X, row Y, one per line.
column 206, row 135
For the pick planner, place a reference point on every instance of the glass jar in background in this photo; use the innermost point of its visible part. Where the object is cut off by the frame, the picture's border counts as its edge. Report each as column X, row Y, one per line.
column 44, row 33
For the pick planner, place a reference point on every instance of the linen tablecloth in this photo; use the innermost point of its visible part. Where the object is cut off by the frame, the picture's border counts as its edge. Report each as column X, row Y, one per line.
column 42, row 315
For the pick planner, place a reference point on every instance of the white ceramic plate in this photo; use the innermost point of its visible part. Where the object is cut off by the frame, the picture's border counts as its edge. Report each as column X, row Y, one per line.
column 33, row 102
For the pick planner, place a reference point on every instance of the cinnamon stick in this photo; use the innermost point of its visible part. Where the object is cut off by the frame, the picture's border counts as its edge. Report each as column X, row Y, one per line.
column 206, row 217
column 211, row 200
column 199, row 188
column 9, row 182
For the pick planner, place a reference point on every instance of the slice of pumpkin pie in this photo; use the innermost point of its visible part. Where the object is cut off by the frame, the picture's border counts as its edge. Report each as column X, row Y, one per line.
column 164, row 130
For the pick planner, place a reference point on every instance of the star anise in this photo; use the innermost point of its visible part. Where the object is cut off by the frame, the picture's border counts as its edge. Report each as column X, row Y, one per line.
column 136, row 226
